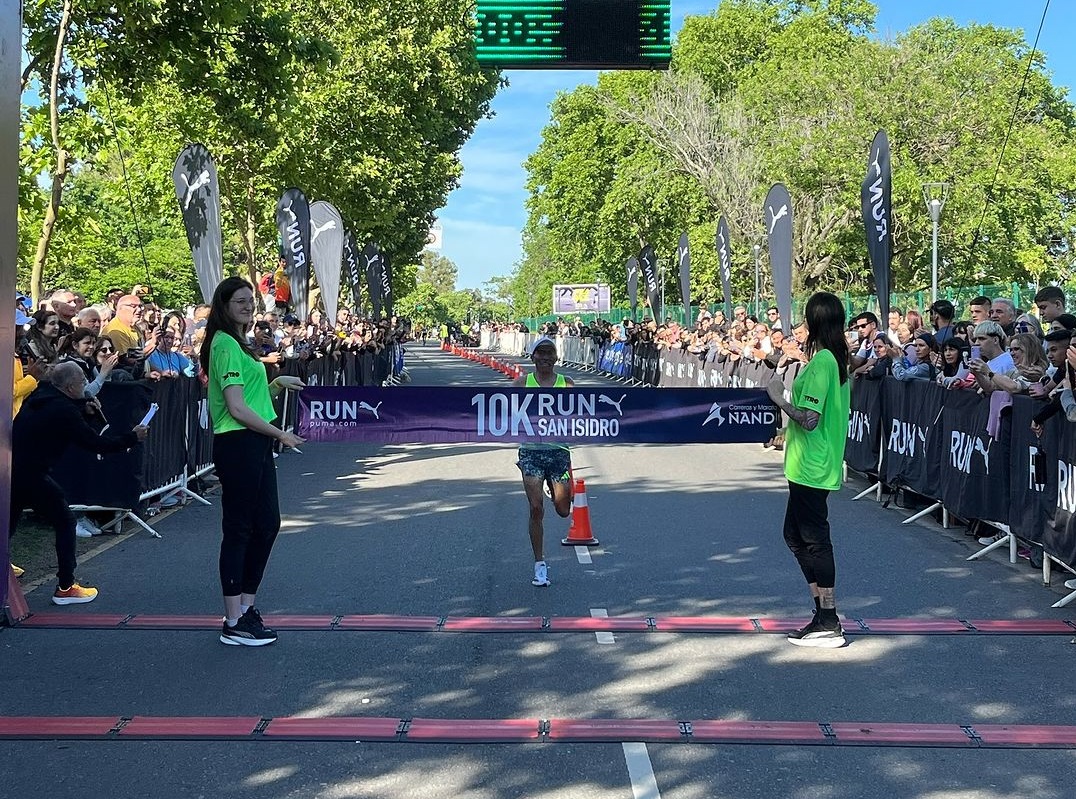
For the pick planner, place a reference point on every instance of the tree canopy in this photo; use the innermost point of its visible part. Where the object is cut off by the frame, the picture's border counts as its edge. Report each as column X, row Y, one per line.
column 792, row 91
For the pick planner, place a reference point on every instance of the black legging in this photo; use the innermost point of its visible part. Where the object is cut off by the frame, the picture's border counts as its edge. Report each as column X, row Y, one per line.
column 250, row 512
column 807, row 533
column 46, row 498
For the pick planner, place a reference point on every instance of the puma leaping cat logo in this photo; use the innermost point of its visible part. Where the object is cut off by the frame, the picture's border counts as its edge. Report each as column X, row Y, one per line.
column 774, row 217
column 318, row 230
column 614, row 403
column 201, row 180
column 875, row 165
column 371, row 408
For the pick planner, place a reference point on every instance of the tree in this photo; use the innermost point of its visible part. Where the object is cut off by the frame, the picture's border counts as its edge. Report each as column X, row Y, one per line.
column 438, row 271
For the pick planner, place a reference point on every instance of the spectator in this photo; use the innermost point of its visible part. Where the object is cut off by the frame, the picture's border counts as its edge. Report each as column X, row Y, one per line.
column 1030, row 362
column 1050, row 300
column 42, row 337
column 919, row 367
column 63, row 303
column 954, row 368
column 77, row 348
column 168, row 360
column 112, row 298
column 126, row 334
column 1003, row 311
column 50, row 421
column 282, row 285
column 979, row 309
column 1057, row 344
column 90, row 318
column 896, row 317
column 962, row 329
column 914, row 320
column 1065, row 321
column 773, row 318
column 866, row 326
column 105, row 359
column 993, row 358
column 25, row 380
column 879, row 364
column 941, row 319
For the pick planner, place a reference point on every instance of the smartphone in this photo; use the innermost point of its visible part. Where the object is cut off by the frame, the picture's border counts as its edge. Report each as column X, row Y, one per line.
column 911, row 355
column 976, row 353
column 966, row 358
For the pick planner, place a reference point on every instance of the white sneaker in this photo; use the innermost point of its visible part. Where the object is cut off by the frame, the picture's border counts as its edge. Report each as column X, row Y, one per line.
column 82, row 530
column 1071, row 584
column 541, row 574
column 987, row 540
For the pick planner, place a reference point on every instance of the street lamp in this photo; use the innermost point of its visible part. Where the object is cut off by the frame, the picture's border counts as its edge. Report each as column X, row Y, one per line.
column 935, row 195
column 757, row 250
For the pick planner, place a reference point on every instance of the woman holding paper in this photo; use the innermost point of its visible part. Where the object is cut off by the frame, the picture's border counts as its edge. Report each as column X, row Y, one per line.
column 241, row 407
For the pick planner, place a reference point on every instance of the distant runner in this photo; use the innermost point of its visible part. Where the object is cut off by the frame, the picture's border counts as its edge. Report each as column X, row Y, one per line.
column 544, row 464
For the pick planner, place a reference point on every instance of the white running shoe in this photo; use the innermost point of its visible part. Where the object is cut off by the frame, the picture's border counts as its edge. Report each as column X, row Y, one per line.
column 541, row 574
column 84, row 529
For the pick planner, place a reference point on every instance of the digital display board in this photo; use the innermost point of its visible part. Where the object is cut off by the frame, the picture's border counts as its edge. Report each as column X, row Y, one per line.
column 581, row 297
column 573, row 34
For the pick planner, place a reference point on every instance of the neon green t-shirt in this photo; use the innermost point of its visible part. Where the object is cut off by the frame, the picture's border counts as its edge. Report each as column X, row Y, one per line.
column 229, row 365
column 813, row 458
column 532, row 382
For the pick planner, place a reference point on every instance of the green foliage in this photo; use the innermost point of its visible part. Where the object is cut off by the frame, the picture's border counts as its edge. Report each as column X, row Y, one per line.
column 792, row 91
column 437, row 271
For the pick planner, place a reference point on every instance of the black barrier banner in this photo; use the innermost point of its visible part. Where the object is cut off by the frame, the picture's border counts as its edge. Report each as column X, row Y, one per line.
column 166, row 439
column 1030, row 469
column 1059, row 533
column 114, row 480
column 864, row 426
column 912, row 452
column 516, row 415
column 974, row 466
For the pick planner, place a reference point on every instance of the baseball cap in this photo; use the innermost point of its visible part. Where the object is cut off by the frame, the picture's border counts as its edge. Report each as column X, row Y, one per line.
column 22, row 319
column 542, row 341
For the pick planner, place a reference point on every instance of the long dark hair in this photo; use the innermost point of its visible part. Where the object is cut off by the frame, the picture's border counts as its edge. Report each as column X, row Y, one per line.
column 825, row 319
column 218, row 320
column 961, row 346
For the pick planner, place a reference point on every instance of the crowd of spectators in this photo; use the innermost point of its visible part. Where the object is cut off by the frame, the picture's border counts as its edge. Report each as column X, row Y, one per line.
column 129, row 337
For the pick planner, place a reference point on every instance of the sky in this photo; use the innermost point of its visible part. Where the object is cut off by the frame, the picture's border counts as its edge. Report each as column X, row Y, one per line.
column 483, row 218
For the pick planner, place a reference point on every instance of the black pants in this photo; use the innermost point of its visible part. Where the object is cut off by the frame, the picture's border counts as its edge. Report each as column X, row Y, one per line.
column 807, row 533
column 44, row 495
column 249, row 508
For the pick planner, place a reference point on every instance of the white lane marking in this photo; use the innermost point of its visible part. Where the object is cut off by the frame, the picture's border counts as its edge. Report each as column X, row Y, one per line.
column 603, row 637
column 582, row 554
column 641, row 772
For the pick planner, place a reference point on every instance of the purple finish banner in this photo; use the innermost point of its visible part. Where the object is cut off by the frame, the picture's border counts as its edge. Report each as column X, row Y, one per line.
column 443, row 415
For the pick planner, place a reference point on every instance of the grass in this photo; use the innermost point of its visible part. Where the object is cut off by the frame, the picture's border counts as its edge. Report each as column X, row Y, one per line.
column 34, row 549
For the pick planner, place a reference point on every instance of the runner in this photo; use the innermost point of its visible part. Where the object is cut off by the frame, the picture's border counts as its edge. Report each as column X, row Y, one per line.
column 544, row 464
column 814, row 452
column 241, row 408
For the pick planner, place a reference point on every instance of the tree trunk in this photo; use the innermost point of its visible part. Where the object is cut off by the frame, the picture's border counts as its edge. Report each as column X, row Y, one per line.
column 59, row 175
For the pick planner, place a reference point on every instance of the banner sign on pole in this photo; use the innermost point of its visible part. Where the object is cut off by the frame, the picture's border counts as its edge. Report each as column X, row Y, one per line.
column 195, row 180
column 778, row 217
column 724, row 257
column 632, row 266
column 327, row 253
column 581, row 298
column 293, row 222
column 648, row 264
column 371, row 254
column 354, row 271
column 683, row 259
column 876, row 196
column 516, row 415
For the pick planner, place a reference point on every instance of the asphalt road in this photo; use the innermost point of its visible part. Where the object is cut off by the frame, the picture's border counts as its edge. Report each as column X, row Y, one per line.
column 441, row 531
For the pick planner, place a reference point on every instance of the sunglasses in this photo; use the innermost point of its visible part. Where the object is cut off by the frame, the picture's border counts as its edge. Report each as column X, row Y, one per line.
column 862, row 326
column 106, row 349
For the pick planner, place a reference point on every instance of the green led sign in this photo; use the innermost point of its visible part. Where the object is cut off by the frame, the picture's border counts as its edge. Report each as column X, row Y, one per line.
column 573, row 34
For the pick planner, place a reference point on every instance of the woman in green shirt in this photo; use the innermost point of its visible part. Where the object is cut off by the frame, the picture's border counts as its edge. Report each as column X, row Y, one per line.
column 814, row 455
column 241, row 407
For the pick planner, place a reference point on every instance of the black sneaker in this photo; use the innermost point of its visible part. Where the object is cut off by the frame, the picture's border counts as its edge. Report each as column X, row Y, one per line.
column 818, row 635
column 248, row 631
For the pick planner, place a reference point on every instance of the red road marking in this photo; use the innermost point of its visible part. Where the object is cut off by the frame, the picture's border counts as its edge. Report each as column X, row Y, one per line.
column 198, row 727
column 473, row 730
column 335, row 729
column 537, row 624
column 794, row 733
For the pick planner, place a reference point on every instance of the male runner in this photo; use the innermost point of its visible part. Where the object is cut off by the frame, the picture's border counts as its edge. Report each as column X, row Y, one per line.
column 544, row 463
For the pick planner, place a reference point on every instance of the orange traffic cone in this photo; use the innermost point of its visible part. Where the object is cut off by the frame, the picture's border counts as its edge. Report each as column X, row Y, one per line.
column 579, row 533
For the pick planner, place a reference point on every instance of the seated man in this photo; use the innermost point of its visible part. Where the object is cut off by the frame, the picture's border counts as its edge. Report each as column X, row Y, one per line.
column 50, row 420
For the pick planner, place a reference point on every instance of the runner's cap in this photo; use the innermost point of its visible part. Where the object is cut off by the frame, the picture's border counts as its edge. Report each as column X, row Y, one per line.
column 543, row 341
